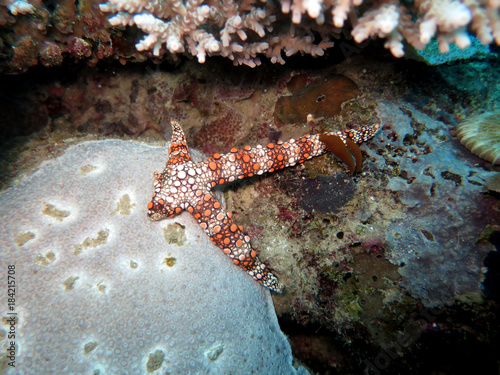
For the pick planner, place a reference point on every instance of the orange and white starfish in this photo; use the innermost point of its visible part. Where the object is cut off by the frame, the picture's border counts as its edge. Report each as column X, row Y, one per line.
column 186, row 185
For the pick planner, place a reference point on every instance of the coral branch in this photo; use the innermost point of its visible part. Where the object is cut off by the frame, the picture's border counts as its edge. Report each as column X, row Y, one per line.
column 242, row 30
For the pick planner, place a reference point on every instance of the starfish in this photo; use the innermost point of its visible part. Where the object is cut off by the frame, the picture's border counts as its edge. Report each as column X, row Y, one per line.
column 186, row 185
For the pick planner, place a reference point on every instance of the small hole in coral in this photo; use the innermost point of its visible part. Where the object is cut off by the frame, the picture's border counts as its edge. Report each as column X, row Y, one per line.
column 347, row 276
column 428, row 235
column 51, row 6
column 374, row 278
column 320, row 98
column 340, row 235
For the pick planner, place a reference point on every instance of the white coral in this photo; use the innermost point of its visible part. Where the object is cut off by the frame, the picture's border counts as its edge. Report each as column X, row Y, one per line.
column 445, row 15
column 377, row 22
column 99, row 303
column 242, row 29
column 19, row 7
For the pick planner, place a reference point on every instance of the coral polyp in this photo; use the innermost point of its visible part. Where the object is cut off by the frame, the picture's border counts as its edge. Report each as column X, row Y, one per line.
column 481, row 135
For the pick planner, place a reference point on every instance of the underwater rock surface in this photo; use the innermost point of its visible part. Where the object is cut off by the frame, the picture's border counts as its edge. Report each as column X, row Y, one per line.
column 103, row 289
column 437, row 243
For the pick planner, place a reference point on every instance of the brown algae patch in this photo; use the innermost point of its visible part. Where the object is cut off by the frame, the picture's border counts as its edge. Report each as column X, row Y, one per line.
column 87, row 243
column 42, row 260
column 86, row 169
column 155, row 361
column 170, row 261
column 69, row 283
column 53, row 212
column 101, row 287
column 23, row 237
column 124, row 206
column 174, row 234
column 90, row 346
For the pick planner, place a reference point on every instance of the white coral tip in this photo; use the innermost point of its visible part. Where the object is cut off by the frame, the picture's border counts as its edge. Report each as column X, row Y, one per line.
column 427, row 30
column 462, row 40
column 313, row 8
column 105, row 7
column 20, row 6
column 174, row 44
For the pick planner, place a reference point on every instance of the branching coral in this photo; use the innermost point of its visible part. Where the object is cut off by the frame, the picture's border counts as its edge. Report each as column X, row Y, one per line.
column 241, row 30
column 18, row 6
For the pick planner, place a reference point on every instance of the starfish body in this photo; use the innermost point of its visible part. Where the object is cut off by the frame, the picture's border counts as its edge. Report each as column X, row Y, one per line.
column 186, row 185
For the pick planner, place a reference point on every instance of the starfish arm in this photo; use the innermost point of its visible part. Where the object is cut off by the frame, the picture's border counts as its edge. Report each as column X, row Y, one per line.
column 224, row 233
column 184, row 185
column 179, row 151
column 250, row 161
column 357, row 135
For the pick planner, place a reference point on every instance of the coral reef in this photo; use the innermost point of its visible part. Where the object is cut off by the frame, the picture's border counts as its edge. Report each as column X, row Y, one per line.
column 365, row 266
column 243, row 30
column 441, row 263
column 225, row 130
column 431, row 54
column 481, row 135
column 126, row 295
column 35, row 32
column 46, row 32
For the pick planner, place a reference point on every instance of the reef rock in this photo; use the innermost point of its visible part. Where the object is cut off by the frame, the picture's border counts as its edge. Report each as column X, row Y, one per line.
column 439, row 245
column 99, row 288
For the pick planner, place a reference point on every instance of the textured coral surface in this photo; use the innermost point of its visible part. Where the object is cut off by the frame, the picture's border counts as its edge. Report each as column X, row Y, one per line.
column 481, row 135
column 101, row 289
